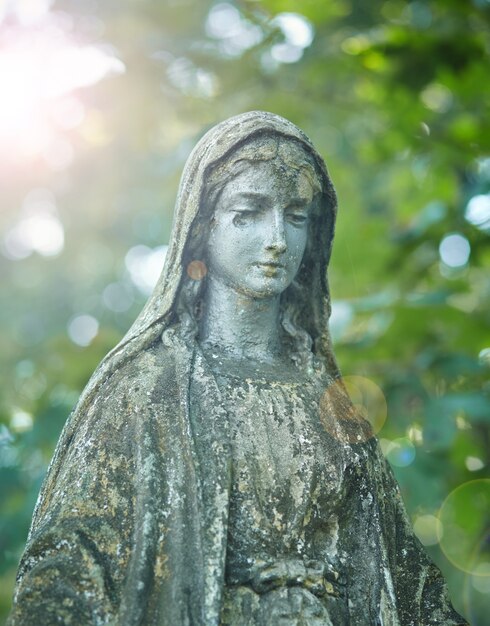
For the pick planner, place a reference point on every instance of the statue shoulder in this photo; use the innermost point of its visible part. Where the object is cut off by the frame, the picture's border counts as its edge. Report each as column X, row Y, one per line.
column 120, row 391
column 136, row 371
column 105, row 423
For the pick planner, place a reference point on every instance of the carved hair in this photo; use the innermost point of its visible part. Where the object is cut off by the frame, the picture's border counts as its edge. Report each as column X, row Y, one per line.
column 290, row 157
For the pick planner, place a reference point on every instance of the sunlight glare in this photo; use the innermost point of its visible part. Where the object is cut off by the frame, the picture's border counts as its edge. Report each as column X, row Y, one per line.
column 39, row 70
column 27, row 11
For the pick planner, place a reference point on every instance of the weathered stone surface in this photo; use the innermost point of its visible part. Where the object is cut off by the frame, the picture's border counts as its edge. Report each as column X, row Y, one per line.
column 214, row 470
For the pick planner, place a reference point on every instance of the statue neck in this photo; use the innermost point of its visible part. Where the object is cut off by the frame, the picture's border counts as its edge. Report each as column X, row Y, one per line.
column 240, row 325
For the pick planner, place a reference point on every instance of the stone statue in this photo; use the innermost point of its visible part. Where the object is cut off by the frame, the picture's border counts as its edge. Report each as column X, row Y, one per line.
column 214, row 470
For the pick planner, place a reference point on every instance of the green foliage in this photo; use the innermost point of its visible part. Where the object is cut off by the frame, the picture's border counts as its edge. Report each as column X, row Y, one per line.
column 393, row 95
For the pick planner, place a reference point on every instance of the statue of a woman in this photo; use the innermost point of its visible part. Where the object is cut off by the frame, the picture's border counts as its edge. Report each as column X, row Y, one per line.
column 214, row 470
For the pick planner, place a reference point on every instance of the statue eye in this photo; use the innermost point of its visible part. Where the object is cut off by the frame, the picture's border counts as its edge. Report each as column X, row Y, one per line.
column 244, row 217
column 297, row 219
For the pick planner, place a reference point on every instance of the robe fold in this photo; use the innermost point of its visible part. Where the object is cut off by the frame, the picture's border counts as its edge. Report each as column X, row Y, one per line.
column 126, row 511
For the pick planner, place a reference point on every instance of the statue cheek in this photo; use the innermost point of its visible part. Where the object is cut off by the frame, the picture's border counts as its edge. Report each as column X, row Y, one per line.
column 297, row 246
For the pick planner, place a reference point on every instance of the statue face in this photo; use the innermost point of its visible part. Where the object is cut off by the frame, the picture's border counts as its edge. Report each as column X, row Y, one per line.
column 260, row 229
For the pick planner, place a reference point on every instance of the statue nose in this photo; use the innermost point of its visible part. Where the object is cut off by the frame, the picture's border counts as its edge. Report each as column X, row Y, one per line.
column 277, row 234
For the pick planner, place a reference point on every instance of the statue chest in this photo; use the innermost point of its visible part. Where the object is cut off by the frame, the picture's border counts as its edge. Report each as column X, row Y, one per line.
column 287, row 476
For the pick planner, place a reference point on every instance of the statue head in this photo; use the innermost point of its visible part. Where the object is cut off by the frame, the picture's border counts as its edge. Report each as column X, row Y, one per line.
column 257, row 230
column 252, row 228
column 258, row 216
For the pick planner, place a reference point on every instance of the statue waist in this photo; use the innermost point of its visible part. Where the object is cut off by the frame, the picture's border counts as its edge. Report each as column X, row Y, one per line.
column 316, row 576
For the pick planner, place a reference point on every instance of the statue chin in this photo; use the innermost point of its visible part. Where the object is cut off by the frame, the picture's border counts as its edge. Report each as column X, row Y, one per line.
column 215, row 470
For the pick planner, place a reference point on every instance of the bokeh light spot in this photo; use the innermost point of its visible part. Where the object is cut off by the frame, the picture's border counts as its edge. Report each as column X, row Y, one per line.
column 473, row 463
column 145, row 265
column 415, row 434
column 25, row 368
column 38, row 229
column 234, row 33
column 340, row 318
column 400, row 452
column 297, row 30
column 464, row 516
column 82, row 329
column 480, row 579
column 192, row 80
column 286, row 53
column 454, row 250
column 484, row 356
column 356, row 44
column 478, row 212
column 117, row 297
column 368, row 400
column 298, row 35
column 197, row 270
column 418, row 14
column 361, row 404
column 428, row 529
column 5, row 437
column 437, row 97
column 224, row 20
column 21, row 421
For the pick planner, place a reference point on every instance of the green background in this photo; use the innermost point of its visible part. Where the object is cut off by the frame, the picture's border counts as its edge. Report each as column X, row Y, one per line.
column 395, row 97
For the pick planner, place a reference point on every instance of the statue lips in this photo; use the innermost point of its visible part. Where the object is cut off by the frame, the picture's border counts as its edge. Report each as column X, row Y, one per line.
column 270, row 268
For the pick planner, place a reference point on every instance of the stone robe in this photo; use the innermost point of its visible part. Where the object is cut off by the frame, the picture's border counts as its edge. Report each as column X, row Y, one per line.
column 134, row 528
